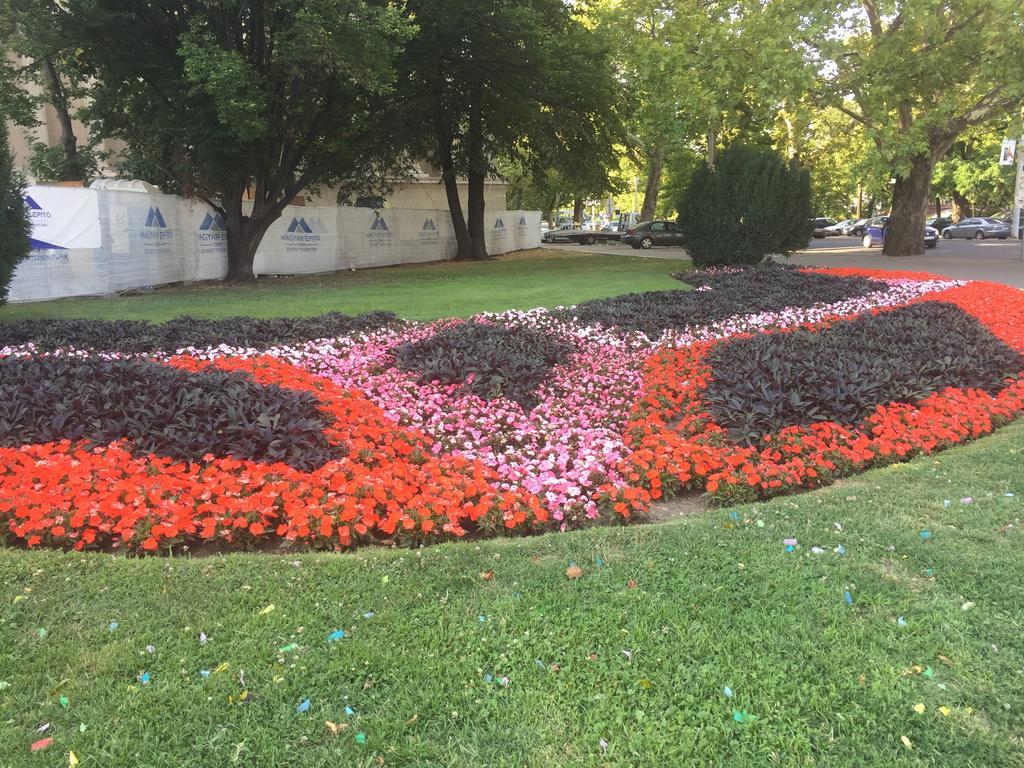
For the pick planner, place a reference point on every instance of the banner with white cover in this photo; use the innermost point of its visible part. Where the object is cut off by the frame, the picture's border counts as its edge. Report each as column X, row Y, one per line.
column 101, row 241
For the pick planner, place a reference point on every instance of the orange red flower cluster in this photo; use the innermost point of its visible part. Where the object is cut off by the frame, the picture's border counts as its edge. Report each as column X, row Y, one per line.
column 676, row 444
column 388, row 487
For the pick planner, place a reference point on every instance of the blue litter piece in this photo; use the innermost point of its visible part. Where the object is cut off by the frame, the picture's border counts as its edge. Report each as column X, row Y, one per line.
column 112, row 626
column 540, row 664
column 728, row 692
column 901, row 622
column 599, row 562
column 144, row 678
column 303, row 707
column 841, row 550
column 336, row 635
column 204, row 672
column 369, row 615
column 925, row 535
column 481, row 618
column 349, row 711
column 946, row 503
column 734, row 516
column 848, row 597
column 488, row 678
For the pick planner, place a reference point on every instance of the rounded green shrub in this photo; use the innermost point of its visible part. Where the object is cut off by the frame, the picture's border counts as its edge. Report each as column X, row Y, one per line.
column 14, row 226
column 751, row 204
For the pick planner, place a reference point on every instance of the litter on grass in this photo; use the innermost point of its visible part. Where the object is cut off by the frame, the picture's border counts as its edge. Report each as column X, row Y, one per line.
column 302, row 707
column 336, row 635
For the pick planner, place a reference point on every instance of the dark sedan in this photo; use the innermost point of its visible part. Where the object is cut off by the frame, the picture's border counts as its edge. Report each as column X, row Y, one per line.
column 648, row 234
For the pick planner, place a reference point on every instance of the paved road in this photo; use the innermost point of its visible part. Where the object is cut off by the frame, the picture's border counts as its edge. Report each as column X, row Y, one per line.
column 996, row 260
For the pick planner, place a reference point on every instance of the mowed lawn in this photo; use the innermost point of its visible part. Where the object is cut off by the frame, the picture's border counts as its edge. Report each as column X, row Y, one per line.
column 416, row 292
column 483, row 653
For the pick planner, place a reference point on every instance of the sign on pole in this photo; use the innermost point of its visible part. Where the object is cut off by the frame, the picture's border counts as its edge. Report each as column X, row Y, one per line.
column 1008, row 153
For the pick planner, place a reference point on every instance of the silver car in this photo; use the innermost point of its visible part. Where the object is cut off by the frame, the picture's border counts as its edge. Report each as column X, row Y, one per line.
column 978, row 228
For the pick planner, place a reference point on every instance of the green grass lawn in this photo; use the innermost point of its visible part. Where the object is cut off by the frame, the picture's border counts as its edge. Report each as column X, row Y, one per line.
column 415, row 292
column 717, row 602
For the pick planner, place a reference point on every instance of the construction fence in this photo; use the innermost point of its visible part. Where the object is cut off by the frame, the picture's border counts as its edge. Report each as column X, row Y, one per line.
column 88, row 242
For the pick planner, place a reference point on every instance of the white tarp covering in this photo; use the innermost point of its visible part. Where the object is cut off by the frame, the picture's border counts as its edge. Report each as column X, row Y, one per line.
column 102, row 241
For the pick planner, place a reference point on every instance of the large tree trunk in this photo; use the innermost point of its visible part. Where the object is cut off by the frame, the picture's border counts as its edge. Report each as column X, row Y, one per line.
column 449, row 177
column 245, row 233
column 577, row 212
column 961, row 206
column 70, row 170
column 477, row 176
column 655, row 163
column 905, row 230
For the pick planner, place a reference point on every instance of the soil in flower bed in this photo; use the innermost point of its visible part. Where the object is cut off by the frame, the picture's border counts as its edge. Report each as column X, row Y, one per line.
column 721, row 295
column 488, row 360
column 141, row 336
column 769, row 381
column 160, row 410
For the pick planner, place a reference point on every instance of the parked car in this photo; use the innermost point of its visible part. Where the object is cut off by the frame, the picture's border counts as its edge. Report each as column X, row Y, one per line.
column 820, row 225
column 978, row 228
column 856, row 229
column 567, row 233
column 939, row 222
column 647, row 234
column 838, row 228
column 874, row 233
column 1007, row 216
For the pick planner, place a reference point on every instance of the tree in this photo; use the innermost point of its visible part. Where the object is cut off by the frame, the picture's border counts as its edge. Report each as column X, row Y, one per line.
column 752, row 203
column 272, row 97
column 482, row 81
column 46, row 67
column 14, row 225
column 915, row 75
column 970, row 174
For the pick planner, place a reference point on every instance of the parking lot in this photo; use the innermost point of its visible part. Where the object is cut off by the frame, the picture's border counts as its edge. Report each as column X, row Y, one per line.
column 996, row 260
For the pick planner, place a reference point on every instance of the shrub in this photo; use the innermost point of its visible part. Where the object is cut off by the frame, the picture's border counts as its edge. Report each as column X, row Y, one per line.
column 761, row 384
column 14, row 226
column 161, row 410
column 758, row 289
column 489, row 360
column 751, row 204
column 141, row 336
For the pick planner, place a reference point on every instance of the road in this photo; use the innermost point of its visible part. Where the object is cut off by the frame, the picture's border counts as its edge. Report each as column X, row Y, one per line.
column 995, row 260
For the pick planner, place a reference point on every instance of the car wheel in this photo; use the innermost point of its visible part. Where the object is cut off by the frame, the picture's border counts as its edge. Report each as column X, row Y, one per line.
column 646, row 243
column 589, row 240
column 979, row 235
column 866, row 242
column 931, row 245
column 634, row 246
column 948, row 235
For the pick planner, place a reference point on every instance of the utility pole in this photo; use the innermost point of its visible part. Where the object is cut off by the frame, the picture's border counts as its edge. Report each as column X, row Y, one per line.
column 1018, row 190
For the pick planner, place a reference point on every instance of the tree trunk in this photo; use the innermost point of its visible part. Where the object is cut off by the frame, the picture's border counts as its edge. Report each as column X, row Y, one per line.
column 961, row 206
column 905, row 230
column 449, row 178
column 70, row 170
column 477, row 231
column 938, row 207
column 477, row 176
column 577, row 212
column 655, row 162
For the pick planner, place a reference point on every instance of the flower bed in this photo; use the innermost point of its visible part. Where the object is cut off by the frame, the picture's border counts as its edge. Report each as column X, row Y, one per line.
column 389, row 431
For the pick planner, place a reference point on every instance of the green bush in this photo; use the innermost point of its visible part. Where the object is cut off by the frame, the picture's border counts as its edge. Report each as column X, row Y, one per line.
column 751, row 204
column 14, row 226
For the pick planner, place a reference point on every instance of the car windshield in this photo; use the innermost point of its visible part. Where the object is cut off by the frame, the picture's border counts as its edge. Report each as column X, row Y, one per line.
column 993, row 221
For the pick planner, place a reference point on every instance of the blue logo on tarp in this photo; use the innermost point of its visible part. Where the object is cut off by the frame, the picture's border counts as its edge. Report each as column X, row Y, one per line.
column 379, row 225
column 32, row 204
column 300, row 225
column 522, row 221
column 155, row 219
column 213, row 222
column 429, row 225
column 499, row 224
